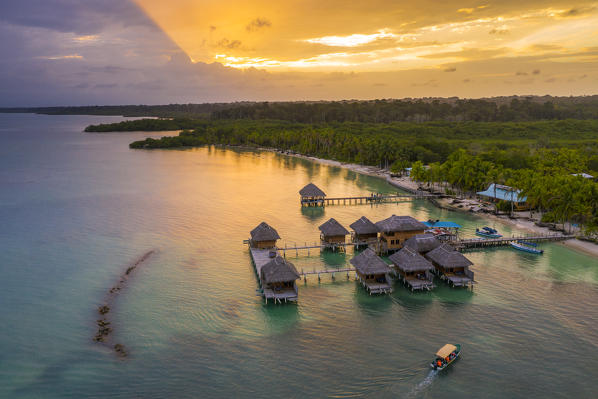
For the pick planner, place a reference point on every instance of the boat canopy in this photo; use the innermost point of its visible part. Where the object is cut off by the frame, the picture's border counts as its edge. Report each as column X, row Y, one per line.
column 446, row 350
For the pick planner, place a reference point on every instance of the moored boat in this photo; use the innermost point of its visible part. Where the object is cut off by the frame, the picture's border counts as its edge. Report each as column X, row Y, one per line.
column 487, row 232
column 526, row 248
column 446, row 356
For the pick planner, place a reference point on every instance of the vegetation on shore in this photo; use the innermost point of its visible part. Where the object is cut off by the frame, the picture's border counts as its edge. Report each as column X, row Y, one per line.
column 495, row 109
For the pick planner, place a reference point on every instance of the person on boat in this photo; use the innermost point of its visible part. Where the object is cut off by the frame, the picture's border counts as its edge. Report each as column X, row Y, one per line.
column 439, row 363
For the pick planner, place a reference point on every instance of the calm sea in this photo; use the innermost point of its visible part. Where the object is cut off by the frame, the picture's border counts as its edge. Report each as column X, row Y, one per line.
column 76, row 209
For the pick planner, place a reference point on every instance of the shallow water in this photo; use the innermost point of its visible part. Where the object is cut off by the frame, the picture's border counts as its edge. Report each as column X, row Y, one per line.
column 76, row 209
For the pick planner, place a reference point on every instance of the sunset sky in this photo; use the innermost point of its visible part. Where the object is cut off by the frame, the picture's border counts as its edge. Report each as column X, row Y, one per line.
column 151, row 51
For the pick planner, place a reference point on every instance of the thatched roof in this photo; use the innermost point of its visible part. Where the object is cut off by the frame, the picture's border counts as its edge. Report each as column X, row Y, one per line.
column 311, row 190
column 363, row 225
column 264, row 232
column 422, row 243
column 333, row 228
column 400, row 223
column 279, row 270
column 368, row 262
column 408, row 260
column 447, row 256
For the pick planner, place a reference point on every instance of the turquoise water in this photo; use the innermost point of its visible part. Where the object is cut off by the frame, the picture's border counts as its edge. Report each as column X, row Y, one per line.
column 76, row 209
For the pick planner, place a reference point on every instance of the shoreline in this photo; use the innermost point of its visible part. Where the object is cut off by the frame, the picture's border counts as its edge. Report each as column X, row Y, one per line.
column 406, row 184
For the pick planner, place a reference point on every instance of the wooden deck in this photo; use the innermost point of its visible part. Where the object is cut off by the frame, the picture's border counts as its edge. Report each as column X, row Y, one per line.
column 417, row 284
column 260, row 258
column 368, row 199
column 471, row 243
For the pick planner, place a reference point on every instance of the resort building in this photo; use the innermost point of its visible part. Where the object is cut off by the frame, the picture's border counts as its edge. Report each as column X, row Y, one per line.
column 498, row 192
column 372, row 272
column 451, row 266
column 396, row 229
column 312, row 195
column 422, row 243
column 413, row 269
column 364, row 231
column 332, row 232
column 278, row 280
column 264, row 236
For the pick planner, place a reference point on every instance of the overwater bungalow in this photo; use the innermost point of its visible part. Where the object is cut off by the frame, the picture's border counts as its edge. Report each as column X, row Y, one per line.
column 364, row 231
column 312, row 195
column 332, row 233
column 264, row 236
column 451, row 266
column 413, row 269
column 422, row 243
column 499, row 192
column 372, row 272
column 396, row 229
column 278, row 278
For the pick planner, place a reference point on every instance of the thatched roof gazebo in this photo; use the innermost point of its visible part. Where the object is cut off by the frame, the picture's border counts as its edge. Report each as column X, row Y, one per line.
column 332, row 232
column 451, row 265
column 422, row 243
column 312, row 195
column 365, row 230
column 278, row 279
column 264, row 236
column 396, row 229
column 413, row 269
column 372, row 272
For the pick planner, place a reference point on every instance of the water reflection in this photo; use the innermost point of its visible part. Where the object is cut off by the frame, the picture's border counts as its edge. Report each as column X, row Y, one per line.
column 372, row 305
column 313, row 213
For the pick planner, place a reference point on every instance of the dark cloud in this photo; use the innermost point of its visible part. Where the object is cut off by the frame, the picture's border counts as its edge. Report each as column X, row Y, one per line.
column 536, row 72
column 520, row 73
column 577, row 12
column 258, row 24
column 551, row 80
column 466, row 80
column 229, row 44
column 496, row 31
column 452, row 69
column 82, row 18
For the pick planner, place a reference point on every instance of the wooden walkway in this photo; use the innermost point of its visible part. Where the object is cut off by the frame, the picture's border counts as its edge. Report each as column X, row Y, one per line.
column 260, row 258
column 307, row 247
column 471, row 243
column 368, row 199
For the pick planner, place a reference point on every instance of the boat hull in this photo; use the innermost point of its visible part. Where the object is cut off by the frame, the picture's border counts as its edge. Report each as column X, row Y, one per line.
column 487, row 235
column 524, row 248
column 444, row 366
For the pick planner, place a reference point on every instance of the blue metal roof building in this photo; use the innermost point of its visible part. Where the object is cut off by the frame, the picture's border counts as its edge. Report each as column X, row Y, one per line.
column 504, row 193
column 440, row 225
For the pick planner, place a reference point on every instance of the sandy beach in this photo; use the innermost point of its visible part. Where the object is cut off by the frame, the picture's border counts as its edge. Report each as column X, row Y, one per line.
column 405, row 183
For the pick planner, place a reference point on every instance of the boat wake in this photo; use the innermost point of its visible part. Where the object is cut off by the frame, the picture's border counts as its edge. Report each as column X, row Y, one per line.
column 419, row 388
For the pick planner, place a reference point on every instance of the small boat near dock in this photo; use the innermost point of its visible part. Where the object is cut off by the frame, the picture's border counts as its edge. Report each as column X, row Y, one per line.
column 487, row 232
column 526, row 248
column 446, row 356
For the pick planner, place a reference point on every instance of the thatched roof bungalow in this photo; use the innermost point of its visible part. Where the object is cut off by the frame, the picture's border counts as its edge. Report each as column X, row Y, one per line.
column 332, row 232
column 364, row 230
column 312, row 195
column 396, row 229
column 413, row 269
column 422, row 243
column 372, row 272
column 264, row 236
column 278, row 279
column 451, row 265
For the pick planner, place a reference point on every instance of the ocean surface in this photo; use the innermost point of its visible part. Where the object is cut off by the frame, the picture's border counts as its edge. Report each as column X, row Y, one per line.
column 77, row 209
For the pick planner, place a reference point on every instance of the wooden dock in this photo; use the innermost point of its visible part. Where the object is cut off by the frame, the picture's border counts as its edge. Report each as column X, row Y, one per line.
column 472, row 243
column 368, row 199
column 333, row 246
column 260, row 258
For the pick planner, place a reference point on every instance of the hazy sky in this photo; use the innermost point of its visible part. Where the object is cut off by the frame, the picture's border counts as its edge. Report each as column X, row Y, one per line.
column 153, row 51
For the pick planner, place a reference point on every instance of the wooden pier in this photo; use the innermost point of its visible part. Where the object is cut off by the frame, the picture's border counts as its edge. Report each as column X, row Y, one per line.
column 368, row 199
column 332, row 246
column 260, row 258
column 472, row 243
